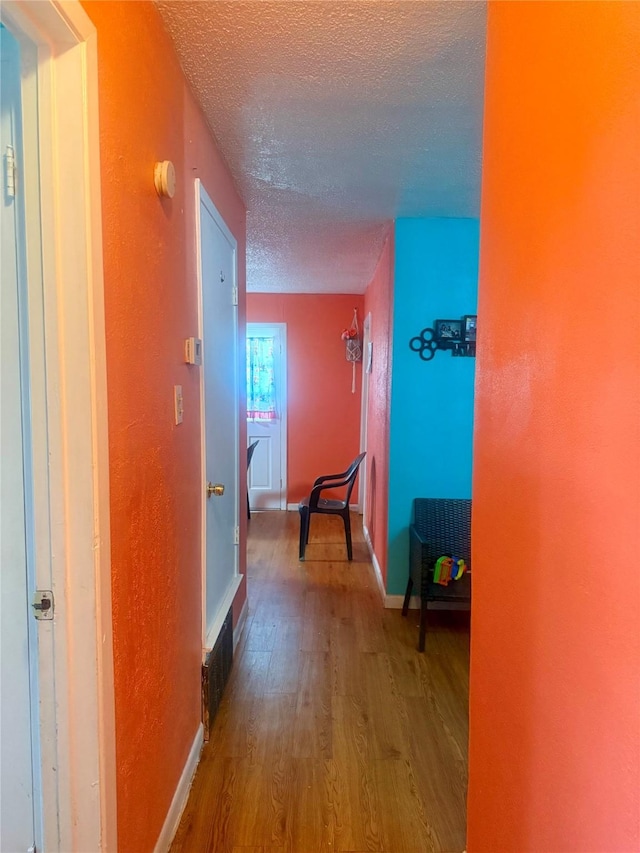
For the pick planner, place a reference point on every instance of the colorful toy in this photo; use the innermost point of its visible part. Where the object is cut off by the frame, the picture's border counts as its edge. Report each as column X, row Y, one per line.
column 448, row 569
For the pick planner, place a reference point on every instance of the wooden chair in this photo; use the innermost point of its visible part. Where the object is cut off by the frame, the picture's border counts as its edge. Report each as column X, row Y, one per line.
column 250, row 450
column 441, row 526
column 328, row 506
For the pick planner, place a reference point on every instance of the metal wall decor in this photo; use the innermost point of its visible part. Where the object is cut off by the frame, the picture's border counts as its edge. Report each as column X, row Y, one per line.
column 457, row 336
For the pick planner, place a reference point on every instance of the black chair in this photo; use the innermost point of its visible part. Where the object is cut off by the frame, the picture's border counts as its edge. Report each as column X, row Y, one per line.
column 441, row 527
column 328, row 506
column 250, row 450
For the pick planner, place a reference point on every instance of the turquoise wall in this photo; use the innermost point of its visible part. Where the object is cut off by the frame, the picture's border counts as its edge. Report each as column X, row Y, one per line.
column 430, row 450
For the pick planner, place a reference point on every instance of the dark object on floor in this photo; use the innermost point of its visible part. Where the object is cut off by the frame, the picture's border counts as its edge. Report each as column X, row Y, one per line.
column 328, row 506
column 215, row 673
column 442, row 526
column 250, row 450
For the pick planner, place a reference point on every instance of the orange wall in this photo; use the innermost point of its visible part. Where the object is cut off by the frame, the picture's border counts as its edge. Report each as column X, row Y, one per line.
column 555, row 656
column 323, row 426
column 148, row 114
column 378, row 302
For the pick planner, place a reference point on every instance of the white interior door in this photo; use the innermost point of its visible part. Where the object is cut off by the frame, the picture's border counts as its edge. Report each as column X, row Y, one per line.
column 20, row 800
column 59, row 522
column 267, row 476
column 219, row 332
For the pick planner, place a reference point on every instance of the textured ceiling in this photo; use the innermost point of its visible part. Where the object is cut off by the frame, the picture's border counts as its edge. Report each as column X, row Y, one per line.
column 336, row 117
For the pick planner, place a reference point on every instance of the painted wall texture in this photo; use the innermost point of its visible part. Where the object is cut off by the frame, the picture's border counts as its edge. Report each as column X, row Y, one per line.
column 436, row 276
column 378, row 302
column 147, row 114
column 555, row 651
column 323, row 427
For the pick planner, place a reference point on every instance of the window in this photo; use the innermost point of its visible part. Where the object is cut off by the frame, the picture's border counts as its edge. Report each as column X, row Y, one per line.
column 261, row 388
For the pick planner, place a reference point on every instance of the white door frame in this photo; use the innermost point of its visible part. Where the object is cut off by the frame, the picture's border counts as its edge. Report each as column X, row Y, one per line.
column 281, row 387
column 210, row 635
column 364, row 408
column 69, row 406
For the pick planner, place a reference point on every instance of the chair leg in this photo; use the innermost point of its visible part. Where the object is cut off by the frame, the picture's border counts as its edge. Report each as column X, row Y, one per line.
column 423, row 624
column 407, row 596
column 347, row 532
column 304, row 531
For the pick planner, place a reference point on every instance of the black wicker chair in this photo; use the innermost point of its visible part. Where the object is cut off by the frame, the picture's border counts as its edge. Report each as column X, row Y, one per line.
column 250, row 451
column 441, row 526
column 327, row 506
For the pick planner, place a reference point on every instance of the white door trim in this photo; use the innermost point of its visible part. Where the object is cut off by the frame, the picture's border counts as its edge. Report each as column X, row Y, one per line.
column 364, row 409
column 209, row 636
column 281, row 329
column 70, row 441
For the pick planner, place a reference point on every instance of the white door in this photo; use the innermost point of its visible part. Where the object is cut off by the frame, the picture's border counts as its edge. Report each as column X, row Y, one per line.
column 219, row 332
column 267, row 476
column 54, row 497
column 20, row 801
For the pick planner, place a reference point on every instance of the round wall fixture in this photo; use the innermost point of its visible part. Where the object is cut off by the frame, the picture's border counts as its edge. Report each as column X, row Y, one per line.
column 164, row 177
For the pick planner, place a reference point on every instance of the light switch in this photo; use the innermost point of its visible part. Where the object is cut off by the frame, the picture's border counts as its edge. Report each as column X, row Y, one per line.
column 193, row 351
column 178, row 404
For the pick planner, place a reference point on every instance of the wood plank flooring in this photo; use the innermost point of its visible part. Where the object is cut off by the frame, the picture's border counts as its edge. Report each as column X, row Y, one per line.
column 334, row 734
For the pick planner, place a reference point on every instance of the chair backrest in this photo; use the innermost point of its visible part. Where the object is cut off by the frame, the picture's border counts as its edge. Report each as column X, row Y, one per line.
column 250, row 450
column 343, row 480
column 445, row 526
column 351, row 475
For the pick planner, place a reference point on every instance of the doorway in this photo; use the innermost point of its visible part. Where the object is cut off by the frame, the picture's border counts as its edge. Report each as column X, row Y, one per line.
column 20, row 809
column 367, row 356
column 217, row 271
column 267, row 414
column 57, row 460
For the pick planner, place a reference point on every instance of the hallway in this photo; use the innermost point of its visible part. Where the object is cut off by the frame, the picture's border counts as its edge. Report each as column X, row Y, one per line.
column 335, row 734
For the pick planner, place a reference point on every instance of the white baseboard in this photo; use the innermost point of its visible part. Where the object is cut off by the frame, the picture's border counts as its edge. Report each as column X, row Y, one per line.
column 181, row 795
column 375, row 563
column 391, row 602
column 242, row 621
column 395, row 602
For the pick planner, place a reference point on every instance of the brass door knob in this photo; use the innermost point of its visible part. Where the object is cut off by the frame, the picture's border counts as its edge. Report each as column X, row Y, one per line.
column 215, row 489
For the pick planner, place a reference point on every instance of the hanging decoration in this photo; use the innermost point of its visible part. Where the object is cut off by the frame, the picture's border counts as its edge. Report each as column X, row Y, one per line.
column 351, row 336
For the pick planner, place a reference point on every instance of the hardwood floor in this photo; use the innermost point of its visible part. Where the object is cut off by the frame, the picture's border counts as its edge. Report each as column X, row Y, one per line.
column 334, row 734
